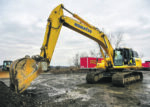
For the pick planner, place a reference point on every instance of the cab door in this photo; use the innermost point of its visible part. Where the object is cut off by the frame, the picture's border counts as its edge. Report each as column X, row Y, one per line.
column 118, row 57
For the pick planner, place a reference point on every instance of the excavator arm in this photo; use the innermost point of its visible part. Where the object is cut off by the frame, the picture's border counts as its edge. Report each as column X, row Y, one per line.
column 23, row 71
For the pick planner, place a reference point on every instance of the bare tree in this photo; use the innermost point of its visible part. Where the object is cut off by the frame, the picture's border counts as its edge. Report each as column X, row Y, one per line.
column 93, row 53
column 83, row 54
column 119, row 40
column 76, row 60
column 141, row 55
column 116, row 40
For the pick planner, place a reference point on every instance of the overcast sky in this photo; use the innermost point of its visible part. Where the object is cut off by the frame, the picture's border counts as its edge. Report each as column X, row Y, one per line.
column 23, row 23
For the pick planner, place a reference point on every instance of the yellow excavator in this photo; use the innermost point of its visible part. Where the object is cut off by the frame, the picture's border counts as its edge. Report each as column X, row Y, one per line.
column 121, row 64
column 4, row 69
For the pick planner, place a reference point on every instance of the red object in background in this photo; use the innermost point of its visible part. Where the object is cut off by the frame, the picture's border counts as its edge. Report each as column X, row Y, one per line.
column 89, row 62
column 146, row 64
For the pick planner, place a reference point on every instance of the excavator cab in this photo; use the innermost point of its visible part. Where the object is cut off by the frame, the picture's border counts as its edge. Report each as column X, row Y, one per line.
column 4, row 69
column 124, row 56
column 6, row 65
column 118, row 57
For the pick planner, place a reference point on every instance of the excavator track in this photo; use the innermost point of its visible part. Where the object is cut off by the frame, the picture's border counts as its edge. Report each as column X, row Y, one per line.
column 126, row 78
column 94, row 77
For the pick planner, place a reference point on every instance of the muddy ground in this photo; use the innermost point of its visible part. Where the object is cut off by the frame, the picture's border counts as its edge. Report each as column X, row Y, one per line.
column 71, row 90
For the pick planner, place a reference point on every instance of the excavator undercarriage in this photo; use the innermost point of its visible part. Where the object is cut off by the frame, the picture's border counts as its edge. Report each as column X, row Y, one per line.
column 118, row 78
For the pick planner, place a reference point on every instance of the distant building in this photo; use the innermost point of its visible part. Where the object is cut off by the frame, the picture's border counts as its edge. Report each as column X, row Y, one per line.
column 89, row 62
column 146, row 65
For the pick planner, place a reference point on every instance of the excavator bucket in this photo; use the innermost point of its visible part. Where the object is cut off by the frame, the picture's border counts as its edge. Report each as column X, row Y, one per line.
column 23, row 72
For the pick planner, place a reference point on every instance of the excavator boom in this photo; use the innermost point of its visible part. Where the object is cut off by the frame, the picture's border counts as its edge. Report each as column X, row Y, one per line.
column 57, row 19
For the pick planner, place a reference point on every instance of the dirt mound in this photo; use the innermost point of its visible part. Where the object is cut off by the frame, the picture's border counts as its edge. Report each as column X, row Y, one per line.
column 8, row 98
column 67, row 70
